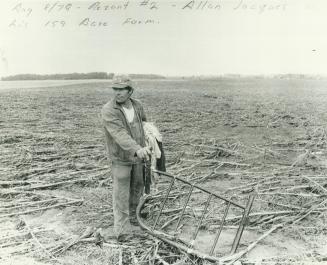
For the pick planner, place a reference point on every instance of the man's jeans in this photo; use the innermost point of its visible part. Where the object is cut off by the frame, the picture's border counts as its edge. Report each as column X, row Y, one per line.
column 128, row 186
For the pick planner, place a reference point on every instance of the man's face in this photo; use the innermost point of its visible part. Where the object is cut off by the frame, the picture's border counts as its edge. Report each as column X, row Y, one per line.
column 122, row 95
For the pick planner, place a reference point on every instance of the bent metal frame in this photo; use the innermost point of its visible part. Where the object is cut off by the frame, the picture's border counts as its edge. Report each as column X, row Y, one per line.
column 189, row 247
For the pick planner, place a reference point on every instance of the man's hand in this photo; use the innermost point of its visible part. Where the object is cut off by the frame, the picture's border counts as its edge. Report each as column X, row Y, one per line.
column 144, row 153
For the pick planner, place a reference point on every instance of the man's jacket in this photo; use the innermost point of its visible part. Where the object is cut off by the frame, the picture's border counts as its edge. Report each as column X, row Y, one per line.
column 120, row 145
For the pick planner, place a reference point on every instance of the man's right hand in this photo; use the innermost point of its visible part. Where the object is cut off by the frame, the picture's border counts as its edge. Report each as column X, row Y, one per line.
column 144, row 153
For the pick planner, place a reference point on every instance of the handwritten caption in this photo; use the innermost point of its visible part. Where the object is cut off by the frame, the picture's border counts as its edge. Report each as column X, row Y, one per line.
column 98, row 14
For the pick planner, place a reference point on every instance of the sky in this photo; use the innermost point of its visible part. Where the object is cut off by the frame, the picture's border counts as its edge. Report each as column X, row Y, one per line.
column 181, row 37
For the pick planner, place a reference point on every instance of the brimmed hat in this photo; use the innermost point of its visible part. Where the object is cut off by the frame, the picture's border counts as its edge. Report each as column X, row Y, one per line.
column 122, row 81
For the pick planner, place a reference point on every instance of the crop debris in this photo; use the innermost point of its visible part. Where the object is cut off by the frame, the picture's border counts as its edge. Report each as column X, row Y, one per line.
column 55, row 196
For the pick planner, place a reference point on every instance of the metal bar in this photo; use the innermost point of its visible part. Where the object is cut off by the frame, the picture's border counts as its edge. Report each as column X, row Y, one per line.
column 184, row 207
column 243, row 223
column 200, row 188
column 220, row 229
column 147, row 176
column 170, row 239
column 163, row 203
column 201, row 219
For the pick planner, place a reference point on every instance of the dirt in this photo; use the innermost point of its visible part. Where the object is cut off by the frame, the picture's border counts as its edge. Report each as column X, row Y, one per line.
column 272, row 128
column 269, row 248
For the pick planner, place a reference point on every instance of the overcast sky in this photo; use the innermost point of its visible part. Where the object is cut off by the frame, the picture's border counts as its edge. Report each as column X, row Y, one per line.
column 237, row 36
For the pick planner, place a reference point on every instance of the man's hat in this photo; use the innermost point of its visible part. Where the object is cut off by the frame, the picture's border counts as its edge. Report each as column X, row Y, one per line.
column 122, row 81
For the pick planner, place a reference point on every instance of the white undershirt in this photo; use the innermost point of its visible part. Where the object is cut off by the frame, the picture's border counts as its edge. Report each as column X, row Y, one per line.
column 129, row 114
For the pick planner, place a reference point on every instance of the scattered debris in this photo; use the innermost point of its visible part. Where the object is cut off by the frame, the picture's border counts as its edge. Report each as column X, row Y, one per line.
column 226, row 141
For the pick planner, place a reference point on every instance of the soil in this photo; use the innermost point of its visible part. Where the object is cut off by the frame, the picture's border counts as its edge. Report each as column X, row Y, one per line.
column 266, row 129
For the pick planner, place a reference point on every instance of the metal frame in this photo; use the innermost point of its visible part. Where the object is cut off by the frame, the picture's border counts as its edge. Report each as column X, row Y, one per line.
column 189, row 249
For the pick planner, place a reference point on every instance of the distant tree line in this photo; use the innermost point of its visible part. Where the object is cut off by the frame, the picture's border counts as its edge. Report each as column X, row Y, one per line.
column 146, row 76
column 71, row 76
column 76, row 76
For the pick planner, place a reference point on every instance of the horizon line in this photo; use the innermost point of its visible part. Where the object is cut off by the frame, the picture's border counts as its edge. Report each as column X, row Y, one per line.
column 177, row 75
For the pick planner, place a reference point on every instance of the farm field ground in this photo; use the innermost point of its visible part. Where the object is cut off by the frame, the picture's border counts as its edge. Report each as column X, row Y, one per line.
column 230, row 136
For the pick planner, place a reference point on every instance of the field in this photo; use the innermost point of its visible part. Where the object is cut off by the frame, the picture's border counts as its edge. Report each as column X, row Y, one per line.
column 230, row 136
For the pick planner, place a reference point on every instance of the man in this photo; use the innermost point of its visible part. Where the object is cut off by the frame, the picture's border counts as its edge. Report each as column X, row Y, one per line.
column 125, row 141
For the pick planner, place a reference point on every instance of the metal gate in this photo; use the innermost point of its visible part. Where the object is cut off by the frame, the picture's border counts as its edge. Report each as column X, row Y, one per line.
column 189, row 246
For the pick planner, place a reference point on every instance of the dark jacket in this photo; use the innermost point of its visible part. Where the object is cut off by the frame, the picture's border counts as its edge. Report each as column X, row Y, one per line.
column 120, row 145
